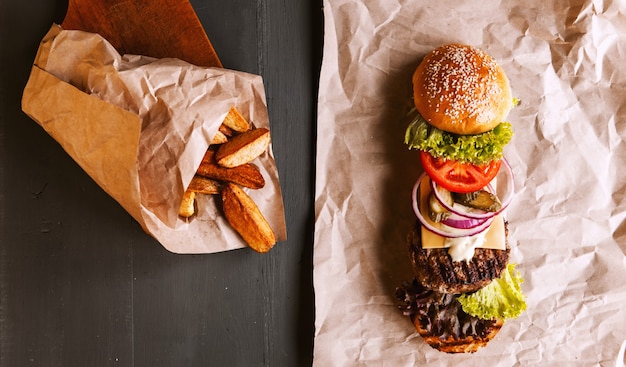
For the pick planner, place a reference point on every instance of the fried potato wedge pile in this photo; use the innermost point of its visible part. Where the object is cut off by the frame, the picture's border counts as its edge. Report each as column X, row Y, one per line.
column 225, row 171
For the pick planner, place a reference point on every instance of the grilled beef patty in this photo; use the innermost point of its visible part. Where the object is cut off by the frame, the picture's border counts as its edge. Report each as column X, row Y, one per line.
column 435, row 269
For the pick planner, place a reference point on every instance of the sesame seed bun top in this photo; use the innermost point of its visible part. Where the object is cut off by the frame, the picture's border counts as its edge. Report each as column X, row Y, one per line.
column 461, row 90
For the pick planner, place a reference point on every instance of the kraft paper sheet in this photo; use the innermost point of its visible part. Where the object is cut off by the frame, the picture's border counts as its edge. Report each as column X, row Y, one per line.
column 567, row 233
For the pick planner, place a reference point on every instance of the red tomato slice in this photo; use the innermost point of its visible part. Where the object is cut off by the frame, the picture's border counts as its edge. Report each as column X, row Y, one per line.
column 457, row 176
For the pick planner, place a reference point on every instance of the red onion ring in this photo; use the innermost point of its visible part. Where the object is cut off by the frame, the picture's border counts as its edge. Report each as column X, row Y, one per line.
column 505, row 190
column 442, row 232
column 461, row 222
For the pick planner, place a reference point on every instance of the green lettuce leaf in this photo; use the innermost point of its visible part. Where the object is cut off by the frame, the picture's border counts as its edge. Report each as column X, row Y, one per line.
column 501, row 299
column 477, row 149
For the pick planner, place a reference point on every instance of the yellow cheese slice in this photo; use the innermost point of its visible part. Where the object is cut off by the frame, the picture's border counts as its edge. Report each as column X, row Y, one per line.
column 494, row 237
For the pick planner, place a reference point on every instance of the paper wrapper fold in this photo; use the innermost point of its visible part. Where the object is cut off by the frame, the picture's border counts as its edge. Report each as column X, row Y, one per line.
column 567, row 233
column 140, row 126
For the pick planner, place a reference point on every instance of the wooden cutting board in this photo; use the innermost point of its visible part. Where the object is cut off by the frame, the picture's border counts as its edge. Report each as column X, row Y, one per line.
column 157, row 28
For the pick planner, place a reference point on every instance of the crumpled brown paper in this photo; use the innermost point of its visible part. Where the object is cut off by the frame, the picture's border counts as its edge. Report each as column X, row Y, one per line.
column 567, row 233
column 140, row 126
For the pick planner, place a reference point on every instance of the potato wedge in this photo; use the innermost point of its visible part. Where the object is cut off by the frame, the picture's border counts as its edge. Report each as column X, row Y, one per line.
column 245, row 217
column 226, row 131
column 236, row 121
column 243, row 148
column 203, row 185
column 247, row 175
column 187, row 208
column 219, row 138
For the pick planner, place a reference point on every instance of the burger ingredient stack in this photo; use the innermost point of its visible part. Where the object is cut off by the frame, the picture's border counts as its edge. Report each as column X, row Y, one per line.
column 464, row 287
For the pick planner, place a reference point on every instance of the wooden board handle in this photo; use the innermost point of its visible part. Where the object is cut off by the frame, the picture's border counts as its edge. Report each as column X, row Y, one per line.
column 157, row 28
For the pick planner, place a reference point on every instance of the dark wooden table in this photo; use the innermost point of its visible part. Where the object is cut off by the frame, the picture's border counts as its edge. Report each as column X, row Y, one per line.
column 82, row 285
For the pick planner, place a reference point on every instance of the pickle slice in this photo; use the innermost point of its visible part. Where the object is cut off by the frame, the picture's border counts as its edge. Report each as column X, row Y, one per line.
column 481, row 199
column 436, row 211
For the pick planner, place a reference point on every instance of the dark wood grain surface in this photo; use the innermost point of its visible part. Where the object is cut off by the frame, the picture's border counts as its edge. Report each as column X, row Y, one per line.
column 82, row 285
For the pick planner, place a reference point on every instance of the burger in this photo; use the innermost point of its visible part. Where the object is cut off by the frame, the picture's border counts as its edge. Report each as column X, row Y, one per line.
column 464, row 285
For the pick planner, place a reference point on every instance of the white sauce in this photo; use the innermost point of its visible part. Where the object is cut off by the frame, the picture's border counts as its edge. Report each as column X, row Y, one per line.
column 462, row 248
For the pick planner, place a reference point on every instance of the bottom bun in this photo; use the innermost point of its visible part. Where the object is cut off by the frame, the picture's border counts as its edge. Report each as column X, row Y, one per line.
column 450, row 344
column 441, row 321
